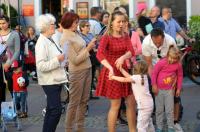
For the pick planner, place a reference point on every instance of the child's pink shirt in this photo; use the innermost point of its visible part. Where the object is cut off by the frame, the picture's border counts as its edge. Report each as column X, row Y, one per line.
column 164, row 74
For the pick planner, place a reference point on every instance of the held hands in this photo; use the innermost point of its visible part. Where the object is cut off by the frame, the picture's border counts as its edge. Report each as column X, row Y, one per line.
column 61, row 57
column 22, row 85
column 119, row 62
column 111, row 74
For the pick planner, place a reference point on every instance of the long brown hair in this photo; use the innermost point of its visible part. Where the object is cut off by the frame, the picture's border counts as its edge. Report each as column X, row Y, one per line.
column 111, row 19
column 141, row 68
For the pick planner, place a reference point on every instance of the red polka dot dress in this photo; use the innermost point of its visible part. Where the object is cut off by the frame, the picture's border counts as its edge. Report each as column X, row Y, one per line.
column 111, row 48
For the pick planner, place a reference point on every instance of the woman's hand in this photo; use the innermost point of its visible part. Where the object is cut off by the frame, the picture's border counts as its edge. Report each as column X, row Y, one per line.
column 111, row 73
column 61, row 57
column 6, row 67
column 119, row 62
column 91, row 45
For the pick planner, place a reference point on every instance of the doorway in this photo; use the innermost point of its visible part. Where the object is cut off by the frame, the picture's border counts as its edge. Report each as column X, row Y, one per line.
column 51, row 6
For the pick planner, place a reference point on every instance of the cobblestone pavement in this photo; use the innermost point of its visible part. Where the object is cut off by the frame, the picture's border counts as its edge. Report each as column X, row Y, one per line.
column 96, row 120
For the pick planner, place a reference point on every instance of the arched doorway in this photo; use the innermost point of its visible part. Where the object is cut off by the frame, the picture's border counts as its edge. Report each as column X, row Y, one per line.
column 178, row 9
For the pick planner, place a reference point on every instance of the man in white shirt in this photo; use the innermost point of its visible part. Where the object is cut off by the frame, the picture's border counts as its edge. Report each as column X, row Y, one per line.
column 95, row 26
column 155, row 47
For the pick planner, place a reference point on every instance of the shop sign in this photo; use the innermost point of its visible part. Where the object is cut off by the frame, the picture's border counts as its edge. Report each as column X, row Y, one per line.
column 28, row 10
column 82, row 9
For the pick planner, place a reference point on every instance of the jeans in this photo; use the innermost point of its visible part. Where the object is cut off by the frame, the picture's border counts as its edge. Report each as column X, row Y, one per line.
column 53, row 109
column 165, row 107
column 20, row 98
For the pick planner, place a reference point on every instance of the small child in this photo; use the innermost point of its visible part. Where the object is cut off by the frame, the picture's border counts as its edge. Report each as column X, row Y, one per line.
column 140, row 87
column 20, row 83
column 166, row 75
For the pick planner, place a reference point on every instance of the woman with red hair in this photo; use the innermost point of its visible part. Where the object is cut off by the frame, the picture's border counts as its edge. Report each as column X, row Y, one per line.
column 80, row 71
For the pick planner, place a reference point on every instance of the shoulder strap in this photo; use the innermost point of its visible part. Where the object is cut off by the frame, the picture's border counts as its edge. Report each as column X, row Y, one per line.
column 55, row 45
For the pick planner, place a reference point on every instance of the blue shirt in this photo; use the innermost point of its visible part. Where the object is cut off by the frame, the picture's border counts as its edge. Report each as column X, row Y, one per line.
column 171, row 27
column 158, row 24
column 87, row 37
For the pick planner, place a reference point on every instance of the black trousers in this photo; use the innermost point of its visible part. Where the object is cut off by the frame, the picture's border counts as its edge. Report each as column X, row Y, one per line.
column 2, row 87
column 53, row 109
column 9, row 81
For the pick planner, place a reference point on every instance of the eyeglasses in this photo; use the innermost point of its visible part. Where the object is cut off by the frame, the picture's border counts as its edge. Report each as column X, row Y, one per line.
column 87, row 25
column 158, row 54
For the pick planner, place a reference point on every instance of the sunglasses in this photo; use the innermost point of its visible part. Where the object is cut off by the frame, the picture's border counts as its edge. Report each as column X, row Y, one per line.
column 87, row 25
column 158, row 54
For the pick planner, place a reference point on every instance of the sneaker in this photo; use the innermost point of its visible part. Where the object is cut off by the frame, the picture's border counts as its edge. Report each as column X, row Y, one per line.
column 23, row 115
column 177, row 127
column 122, row 121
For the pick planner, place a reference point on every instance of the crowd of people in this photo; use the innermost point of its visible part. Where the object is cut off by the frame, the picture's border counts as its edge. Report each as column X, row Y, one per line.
column 137, row 66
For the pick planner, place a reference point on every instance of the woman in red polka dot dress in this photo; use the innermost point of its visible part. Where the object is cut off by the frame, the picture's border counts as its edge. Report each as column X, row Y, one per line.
column 115, row 47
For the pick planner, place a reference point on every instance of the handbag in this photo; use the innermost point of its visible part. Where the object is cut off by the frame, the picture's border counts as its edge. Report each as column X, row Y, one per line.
column 3, row 56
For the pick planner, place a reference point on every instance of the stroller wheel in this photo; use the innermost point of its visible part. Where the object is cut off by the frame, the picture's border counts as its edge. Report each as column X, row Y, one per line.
column 198, row 115
column 19, row 127
column 4, row 128
column 43, row 112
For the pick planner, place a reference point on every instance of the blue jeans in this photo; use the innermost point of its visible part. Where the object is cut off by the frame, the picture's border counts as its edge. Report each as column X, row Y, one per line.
column 20, row 98
column 53, row 109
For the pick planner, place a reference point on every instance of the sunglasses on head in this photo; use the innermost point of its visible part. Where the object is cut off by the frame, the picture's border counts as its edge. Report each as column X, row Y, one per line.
column 158, row 54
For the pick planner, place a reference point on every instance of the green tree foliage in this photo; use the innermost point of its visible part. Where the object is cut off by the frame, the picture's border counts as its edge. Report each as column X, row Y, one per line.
column 13, row 14
column 194, row 29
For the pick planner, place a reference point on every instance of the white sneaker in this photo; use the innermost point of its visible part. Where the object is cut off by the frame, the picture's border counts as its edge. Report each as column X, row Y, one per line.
column 177, row 127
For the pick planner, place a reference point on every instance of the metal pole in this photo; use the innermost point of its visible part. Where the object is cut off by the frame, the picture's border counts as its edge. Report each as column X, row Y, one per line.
column 19, row 13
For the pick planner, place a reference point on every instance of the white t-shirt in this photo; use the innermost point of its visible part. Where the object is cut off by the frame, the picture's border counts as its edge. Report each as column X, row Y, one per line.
column 56, row 36
column 149, row 48
column 95, row 27
column 141, row 92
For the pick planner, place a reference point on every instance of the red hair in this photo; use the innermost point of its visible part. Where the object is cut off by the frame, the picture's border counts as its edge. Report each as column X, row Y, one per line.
column 68, row 19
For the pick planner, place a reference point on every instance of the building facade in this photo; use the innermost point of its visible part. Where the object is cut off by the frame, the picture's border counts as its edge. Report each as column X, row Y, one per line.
column 31, row 9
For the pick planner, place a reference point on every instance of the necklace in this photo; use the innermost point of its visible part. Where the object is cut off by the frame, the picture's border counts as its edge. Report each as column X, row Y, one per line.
column 5, row 32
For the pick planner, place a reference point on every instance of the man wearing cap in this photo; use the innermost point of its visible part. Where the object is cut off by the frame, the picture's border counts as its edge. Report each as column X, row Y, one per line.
column 143, row 21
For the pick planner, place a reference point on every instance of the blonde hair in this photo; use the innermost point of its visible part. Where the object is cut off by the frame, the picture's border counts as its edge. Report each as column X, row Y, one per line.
column 141, row 68
column 111, row 19
column 174, row 51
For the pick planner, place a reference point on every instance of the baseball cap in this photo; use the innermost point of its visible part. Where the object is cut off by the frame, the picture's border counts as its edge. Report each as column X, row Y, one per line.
column 15, row 64
column 140, row 9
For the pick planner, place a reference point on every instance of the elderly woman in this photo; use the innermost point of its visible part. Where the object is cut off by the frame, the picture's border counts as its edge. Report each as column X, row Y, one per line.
column 51, row 75
column 80, row 71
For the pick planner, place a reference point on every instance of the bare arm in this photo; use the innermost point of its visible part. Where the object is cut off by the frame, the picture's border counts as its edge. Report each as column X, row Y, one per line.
column 182, row 33
column 122, row 79
column 119, row 62
column 125, row 73
column 148, row 60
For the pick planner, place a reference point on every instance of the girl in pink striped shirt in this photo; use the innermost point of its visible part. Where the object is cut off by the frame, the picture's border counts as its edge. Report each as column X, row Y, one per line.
column 167, row 75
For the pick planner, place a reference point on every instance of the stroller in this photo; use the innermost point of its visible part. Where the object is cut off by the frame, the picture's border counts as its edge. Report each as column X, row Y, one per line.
column 9, row 115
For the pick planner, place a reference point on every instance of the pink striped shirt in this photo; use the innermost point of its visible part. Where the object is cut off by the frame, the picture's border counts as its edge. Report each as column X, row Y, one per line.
column 164, row 74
